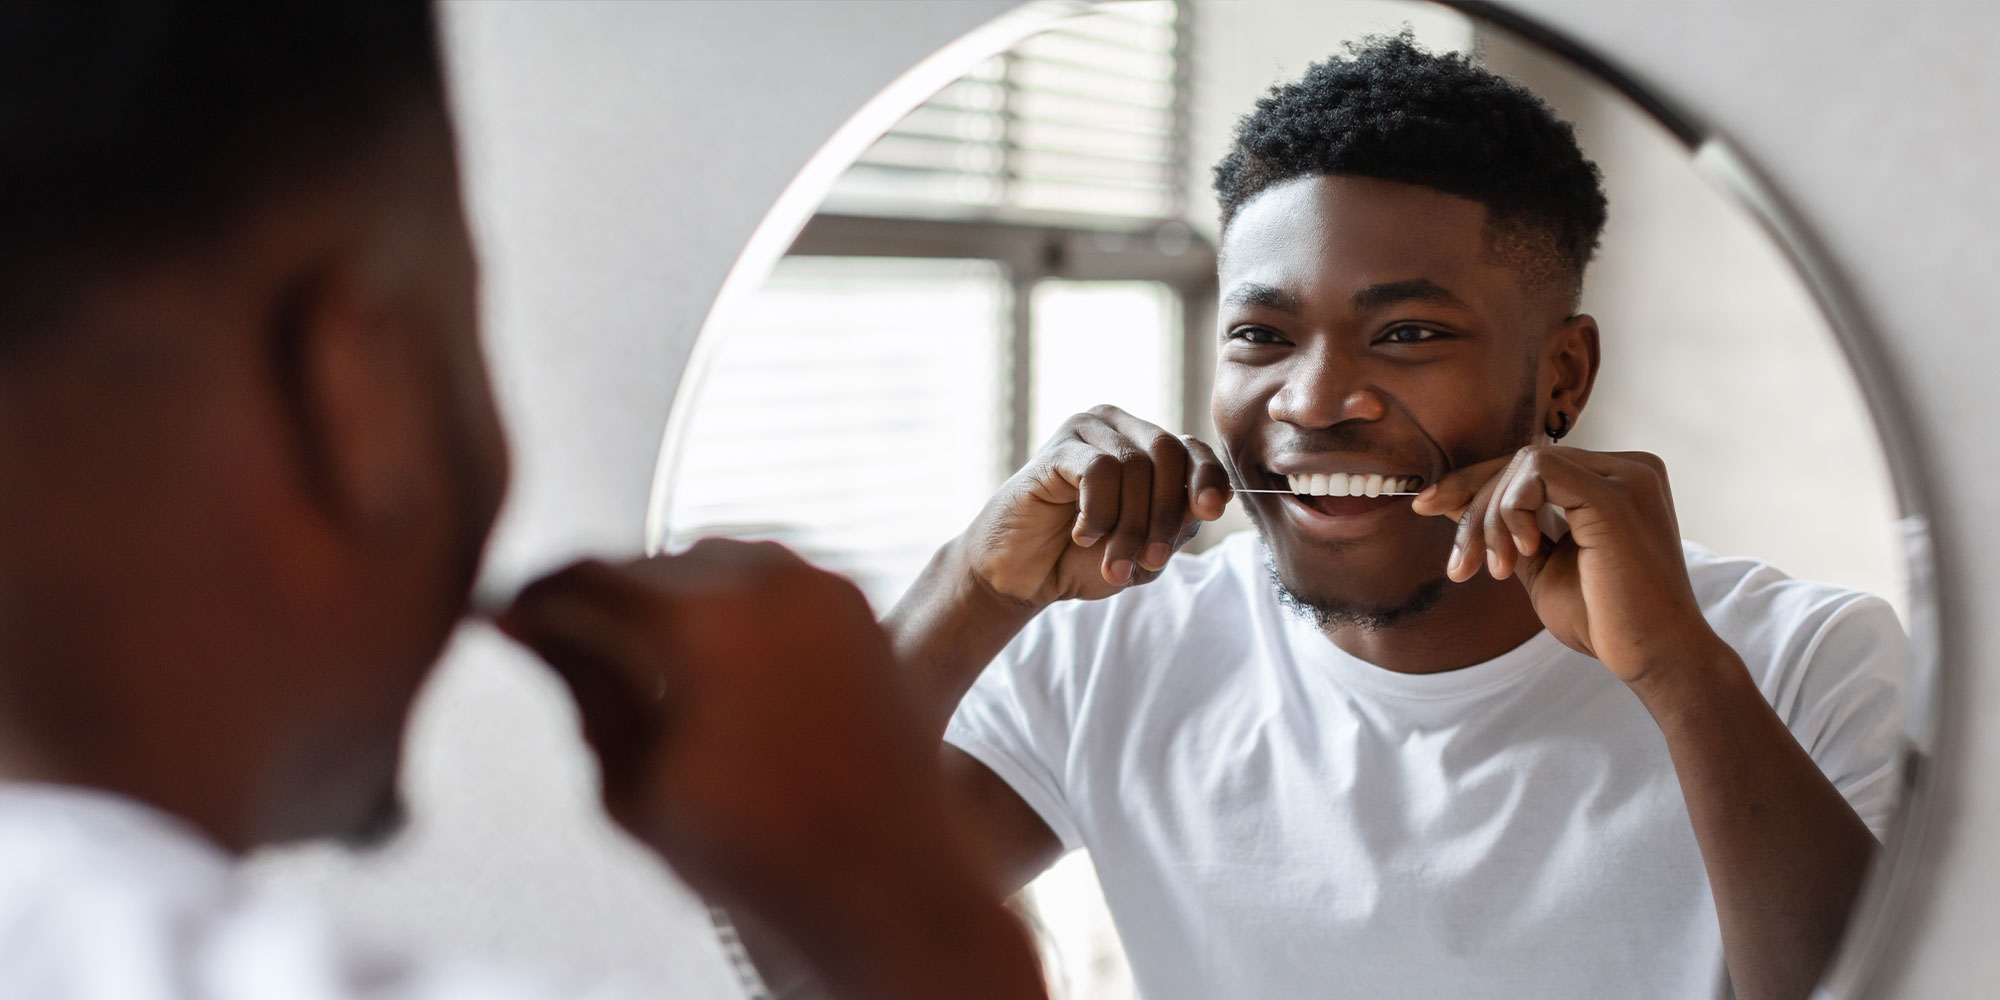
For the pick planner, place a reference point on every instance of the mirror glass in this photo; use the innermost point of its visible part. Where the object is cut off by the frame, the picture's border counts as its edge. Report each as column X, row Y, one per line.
column 1041, row 236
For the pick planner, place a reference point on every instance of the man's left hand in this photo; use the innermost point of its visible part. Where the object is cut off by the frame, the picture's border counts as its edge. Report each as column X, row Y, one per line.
column 1616, row 586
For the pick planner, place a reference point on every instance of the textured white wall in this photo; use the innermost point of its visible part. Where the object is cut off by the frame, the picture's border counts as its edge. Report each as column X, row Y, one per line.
column 620, row 155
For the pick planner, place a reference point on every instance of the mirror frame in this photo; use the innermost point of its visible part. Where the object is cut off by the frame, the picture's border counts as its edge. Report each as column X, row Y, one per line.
column 1718, row 161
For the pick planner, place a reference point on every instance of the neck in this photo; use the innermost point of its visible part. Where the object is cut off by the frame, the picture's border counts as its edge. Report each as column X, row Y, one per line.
column 1474, row 622
column 217, row 810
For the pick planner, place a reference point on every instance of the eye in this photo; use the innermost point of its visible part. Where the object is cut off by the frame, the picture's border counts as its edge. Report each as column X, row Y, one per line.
column 1408, row 333
column 1255, row 335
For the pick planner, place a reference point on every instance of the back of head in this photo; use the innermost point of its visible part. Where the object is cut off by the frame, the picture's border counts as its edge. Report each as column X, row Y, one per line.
column 133, row 127
column 248, row 458
column 1392, row 111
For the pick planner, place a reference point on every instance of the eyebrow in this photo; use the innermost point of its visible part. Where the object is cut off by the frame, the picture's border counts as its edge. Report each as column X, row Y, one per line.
column 1376, row 296
column 1251, row 293
column 1395, row 292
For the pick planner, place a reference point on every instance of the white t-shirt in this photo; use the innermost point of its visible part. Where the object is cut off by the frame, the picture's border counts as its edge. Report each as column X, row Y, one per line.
column 1271, row 817
column 102, row 898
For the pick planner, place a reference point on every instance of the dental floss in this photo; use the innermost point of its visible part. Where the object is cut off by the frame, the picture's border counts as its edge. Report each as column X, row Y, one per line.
column 1553, row 520
column 1294, row 494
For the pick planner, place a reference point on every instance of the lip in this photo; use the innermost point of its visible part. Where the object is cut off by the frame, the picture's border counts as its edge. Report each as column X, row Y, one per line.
column 1364, row 517
column 1330, row 465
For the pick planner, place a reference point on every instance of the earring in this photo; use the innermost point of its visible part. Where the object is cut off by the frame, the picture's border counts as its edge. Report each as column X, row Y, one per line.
column 1561, row 428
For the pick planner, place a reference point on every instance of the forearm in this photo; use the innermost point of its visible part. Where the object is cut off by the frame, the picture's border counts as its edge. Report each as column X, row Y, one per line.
column 947, row 628
column 919, row 946
column 1785, row 854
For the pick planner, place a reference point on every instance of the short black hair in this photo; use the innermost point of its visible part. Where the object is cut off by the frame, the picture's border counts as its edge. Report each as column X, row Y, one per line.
column 135, row 126
column 1393, row 111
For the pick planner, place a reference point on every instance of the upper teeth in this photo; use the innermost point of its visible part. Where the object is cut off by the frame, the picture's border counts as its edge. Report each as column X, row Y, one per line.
column 1343, row 484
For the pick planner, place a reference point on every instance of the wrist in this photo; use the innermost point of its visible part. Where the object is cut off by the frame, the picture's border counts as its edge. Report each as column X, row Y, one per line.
column 1670, row 678
column 979, row 596
column 916, row 933
column 947, row 627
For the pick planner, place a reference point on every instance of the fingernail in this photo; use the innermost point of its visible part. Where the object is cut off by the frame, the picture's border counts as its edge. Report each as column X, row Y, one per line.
column 1493, row 563
column 1156, row 555
column 1121, row 571
column 1086, row 541
column 1457, row 554
column 1210, row 498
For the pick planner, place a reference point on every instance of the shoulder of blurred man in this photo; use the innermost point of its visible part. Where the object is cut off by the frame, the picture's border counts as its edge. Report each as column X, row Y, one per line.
column 105, row 898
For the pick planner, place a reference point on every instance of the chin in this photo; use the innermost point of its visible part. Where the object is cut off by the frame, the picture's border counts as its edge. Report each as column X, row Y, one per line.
column 1355, row 585
column 378, row 825
column 342, row 788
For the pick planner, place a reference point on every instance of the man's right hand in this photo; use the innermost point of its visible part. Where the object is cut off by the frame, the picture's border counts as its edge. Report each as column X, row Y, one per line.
column 752, row 730
column 1101, row 507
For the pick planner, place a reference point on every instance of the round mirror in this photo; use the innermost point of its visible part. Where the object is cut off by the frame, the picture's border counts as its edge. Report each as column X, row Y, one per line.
column 1043, row 235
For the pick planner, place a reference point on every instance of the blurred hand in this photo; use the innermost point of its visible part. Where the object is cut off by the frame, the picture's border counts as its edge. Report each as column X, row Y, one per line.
column 1101, row 507
column 751, row 729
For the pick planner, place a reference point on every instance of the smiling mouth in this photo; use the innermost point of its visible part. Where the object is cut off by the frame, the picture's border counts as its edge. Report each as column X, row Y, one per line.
column 1346, row 494
column 1351, row 484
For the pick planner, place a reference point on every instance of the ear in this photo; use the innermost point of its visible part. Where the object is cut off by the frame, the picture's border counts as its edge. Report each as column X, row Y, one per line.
column 1569, row 365
column 348, row 377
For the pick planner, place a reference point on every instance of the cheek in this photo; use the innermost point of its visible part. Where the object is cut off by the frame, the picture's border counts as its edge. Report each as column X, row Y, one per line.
column 1477, row 423
column 1236, row 402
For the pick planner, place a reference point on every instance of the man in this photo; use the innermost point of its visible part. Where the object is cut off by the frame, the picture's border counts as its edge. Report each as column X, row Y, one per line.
column 248, row 461
column 1392, row 745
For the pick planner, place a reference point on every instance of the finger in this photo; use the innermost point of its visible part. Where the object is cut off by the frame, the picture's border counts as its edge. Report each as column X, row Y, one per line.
column 1169, row 501
column 1171, row 472
column 1468, row 551
column 1496, row 537
column 1208, row 480
column 1449, row 496
column 1521, row 501
column 1575, row 477
column 1121, row 551
column 618, row 677
column 1642, row 473
column 1099, row 478
column 1133, row 531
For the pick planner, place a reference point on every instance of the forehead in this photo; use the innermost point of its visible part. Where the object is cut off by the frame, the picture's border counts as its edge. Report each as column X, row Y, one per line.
column 1334, row 235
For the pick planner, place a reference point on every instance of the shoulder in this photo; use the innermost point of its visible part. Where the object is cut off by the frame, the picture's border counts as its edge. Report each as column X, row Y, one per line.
column 1749, row 596
column 1805, row 642
column 104, row 897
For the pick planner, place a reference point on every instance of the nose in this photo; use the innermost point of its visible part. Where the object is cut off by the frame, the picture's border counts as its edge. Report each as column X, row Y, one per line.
column 1320, row 394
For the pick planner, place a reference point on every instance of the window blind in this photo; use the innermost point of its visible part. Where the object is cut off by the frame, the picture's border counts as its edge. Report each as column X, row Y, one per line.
column 1087, row 119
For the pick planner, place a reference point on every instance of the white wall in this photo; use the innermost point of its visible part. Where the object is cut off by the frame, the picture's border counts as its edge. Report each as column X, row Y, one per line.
column 620, row 155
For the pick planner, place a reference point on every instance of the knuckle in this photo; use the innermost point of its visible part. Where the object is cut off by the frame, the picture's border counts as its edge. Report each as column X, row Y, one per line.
column 1103, row 411
column 1102, row 464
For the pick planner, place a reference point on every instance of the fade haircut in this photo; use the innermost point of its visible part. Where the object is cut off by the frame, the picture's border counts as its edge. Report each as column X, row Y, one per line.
column 131, row 128
column 1392, row 111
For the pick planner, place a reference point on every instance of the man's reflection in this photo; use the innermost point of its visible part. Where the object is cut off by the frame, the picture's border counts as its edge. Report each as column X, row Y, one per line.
column 1394, row 746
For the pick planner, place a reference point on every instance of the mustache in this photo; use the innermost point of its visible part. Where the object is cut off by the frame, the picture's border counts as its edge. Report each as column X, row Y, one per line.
column 1422, row 453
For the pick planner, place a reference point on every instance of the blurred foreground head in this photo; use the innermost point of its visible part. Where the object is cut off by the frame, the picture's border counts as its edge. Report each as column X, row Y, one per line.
column 248, row 458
